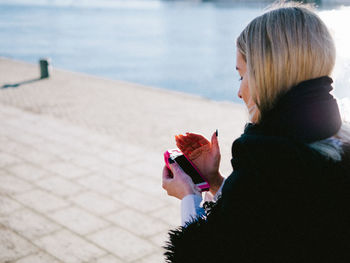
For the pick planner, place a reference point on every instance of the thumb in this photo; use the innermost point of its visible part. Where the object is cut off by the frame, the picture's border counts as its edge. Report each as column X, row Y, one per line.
column 215, row 143
column 174, row 168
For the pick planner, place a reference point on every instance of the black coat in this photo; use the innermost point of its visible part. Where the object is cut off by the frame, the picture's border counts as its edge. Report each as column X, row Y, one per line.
column 284, row 202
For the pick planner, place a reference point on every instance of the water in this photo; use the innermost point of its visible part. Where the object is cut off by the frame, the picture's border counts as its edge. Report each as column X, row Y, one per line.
column 183, row 46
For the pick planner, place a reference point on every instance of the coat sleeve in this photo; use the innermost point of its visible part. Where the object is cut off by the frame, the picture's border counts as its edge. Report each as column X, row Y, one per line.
column 200, row 240
column 191, row 208
column 194, row 242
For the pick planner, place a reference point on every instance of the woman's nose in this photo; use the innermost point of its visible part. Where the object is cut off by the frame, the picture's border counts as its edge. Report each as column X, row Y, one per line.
column 239, row 93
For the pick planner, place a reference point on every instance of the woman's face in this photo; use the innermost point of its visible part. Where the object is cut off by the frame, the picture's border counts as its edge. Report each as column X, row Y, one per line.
column 244, row 92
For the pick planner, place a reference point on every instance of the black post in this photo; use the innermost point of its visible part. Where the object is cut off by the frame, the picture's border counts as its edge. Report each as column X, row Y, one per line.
column 44, row 68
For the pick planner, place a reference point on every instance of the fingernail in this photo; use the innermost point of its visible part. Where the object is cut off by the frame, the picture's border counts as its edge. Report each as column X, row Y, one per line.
column 216, row 132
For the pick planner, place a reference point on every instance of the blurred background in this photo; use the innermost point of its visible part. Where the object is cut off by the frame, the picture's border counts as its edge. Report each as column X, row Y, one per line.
column 185, row 46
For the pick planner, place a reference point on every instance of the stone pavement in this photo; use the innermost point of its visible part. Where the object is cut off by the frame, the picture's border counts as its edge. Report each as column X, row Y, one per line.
column 143, row 116
column 81, row 161
column 72, row 195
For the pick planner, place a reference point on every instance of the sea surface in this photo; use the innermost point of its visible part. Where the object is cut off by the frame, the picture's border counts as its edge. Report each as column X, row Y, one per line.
column 187, row 46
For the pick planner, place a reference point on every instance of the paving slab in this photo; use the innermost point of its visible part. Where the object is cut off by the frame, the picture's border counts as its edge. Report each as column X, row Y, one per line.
column 127, row 246
column 69, row 247
column 29, row 224
column 78, row 220
column 39, row 257
column 138, row 223
column 13, row 246
column 8, row 205
column 41, row 201
column 96, row 203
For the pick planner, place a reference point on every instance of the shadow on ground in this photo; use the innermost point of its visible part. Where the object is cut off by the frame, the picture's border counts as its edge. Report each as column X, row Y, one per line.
column 16, row 85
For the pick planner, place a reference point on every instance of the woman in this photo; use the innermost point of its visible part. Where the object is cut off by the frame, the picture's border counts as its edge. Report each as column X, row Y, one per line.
column 288, row 197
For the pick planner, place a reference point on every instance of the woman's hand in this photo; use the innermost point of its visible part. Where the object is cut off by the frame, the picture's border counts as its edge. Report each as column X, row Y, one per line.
column 177, row 183
column 204, row 154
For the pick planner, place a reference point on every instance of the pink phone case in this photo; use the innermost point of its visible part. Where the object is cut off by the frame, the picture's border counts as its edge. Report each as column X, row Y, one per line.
column 204, row 186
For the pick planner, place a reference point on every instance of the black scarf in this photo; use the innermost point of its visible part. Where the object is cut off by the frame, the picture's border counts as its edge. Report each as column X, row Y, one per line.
column 307, row 112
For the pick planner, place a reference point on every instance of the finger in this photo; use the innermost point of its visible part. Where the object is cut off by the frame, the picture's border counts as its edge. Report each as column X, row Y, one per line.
column 190, row 138
column 187, row 152
column 194, row 134
column 180, row 175
column 199, row 141
column 184, row 149
column 195, row 154
column 175, row 169
column 200, row 151
column 187, row 139
column 166, row 174
column 166, row 178
column 180, row 141
column 197, row 137
column 195, row 141
column 204, row 141
column 183, row 146
column 195, row 145
column 181, row 136
column 215, row 143
column 190, row 142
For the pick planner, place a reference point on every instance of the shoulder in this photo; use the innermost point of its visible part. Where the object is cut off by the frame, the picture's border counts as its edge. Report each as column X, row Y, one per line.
column 258, row 150
column 282, row 158
column 265, row 164
column 271, row 152
column 256, row 145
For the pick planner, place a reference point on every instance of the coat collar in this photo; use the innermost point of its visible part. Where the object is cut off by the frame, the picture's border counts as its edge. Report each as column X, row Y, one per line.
column 307, row 112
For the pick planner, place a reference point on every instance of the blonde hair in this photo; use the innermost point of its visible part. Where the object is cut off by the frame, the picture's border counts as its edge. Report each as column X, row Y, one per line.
column 283, row 47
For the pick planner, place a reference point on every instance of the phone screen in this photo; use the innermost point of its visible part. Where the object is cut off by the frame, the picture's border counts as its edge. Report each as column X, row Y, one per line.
column 189, row 169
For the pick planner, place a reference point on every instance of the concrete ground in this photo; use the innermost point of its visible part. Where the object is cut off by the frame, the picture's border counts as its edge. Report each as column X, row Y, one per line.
column 81, row 161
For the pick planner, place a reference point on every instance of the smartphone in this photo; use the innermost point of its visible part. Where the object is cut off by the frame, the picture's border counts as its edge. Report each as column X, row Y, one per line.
column 175, row 155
